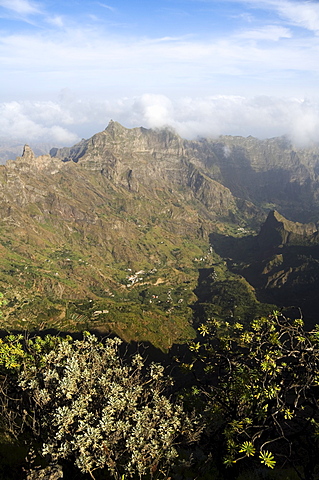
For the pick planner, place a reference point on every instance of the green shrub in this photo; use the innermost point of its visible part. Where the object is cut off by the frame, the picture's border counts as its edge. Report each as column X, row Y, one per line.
column 259, row 392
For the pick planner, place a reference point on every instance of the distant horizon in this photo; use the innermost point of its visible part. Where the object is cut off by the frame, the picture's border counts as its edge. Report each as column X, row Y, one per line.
column 204, row 67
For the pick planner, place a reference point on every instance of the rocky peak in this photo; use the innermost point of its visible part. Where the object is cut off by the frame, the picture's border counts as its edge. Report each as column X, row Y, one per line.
column 277, row 230
column 29, row 162
column 124, row 147
column 114, row 128
column 28, row 154
column 297, row 228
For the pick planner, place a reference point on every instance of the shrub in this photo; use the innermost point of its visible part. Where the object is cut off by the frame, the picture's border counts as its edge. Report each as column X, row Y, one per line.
column 84, row 404
column 260, row 391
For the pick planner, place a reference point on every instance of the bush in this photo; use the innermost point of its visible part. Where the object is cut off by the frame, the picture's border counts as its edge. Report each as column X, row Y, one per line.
column 83, row 404
column 259, row 388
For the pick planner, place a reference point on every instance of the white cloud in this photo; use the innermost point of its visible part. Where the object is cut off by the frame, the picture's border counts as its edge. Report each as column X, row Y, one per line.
column 305, row 125
column 74, row 53
column 299, row 13
column 303, row 14
column 21, row 7
column 108, row 7
column 89, row 60
column 34, row 122
column 250, row 70
column 56, row 21
column 268, row 32
column 70, row 118
column 154, row 110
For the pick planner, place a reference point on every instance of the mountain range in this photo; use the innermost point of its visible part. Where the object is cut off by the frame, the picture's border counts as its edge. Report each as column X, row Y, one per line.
column 143, row 233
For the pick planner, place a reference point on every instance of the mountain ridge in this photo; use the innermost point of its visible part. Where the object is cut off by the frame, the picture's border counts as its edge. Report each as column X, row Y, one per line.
column 266, row 172
column 121, row 223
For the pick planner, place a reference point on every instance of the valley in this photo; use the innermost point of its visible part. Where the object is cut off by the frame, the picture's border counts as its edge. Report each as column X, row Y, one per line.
column 141, row 233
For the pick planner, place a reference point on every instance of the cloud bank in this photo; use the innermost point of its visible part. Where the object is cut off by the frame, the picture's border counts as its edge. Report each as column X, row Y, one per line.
column 69, row 118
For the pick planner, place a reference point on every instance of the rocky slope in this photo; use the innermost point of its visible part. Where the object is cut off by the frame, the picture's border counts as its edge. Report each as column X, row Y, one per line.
column 281, row 263
column 271, row 173
column 278, row 231
column 12, row 148
column 121, row 219
column 113, row 233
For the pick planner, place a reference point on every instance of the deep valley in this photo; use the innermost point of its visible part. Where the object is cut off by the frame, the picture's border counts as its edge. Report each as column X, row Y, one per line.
column 144, row 234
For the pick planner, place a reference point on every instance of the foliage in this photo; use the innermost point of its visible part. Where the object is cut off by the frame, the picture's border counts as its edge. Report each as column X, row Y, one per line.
column 231, row 299
column 78, row 401
column 259, row 389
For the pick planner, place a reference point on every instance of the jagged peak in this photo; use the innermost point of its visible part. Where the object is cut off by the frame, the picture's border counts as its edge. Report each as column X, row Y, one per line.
column 28, row 153
column 277, row 230
column 289, row 226
column 114, row 127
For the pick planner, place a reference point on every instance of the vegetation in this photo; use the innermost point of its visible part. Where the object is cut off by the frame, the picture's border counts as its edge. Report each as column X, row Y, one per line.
column 258, row 389
column 76, row 402
column 88, row 409
column 114, row 240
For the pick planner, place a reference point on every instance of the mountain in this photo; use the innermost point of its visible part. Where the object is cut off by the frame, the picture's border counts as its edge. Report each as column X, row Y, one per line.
column 281, row 263
column 272, row 173
column 113, row 233
column 116, row 225
column 278, row 231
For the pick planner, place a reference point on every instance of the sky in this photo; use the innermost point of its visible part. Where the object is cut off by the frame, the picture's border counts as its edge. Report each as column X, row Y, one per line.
column 202, row 67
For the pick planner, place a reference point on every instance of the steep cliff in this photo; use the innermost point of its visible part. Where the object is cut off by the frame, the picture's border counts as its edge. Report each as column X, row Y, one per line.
column 277, row 230
column 140, row 159
column 281, row 263
column 271, row 173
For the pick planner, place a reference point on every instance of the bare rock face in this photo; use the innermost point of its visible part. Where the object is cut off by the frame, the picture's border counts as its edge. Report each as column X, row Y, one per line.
column 28, row 161
column 75, row 222
column 139, row 159
column 116, row 196
column 152, row 163
column 28, row 154
column 271, row 173
column 293, row 228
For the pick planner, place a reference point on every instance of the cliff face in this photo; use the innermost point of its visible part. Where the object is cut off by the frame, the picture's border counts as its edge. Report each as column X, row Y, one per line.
column 141, row 160
column 271, row 173
column 124, row 185
column 281, row 263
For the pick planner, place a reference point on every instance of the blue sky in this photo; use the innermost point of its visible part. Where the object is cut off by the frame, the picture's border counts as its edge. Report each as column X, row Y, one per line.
column 205, row 67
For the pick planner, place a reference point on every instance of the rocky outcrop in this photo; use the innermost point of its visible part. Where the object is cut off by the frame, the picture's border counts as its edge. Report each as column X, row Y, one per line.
column 123, row 197
column 212, row 194
column 268, row 173
column 28, row 155
column 74, row 223
column 277, row 230
column 28, row 161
